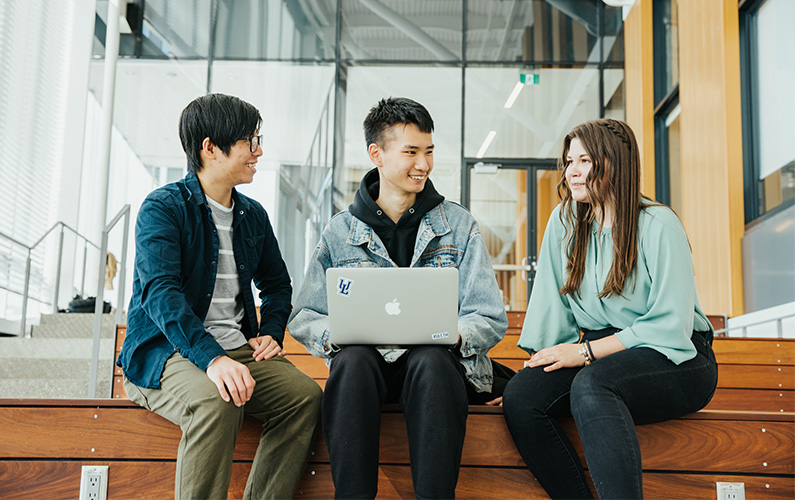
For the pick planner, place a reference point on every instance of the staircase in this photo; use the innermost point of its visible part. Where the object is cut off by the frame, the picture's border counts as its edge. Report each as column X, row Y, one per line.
column 55, row 362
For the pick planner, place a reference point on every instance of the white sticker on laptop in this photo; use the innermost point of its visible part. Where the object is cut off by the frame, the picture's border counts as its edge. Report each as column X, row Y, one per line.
column 439, row 336
column 344, row 286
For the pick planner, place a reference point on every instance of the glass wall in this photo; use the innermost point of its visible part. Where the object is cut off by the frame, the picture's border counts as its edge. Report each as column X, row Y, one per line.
column 530, row 122
column 767, row 50
column 667, row 177
column 768, row 46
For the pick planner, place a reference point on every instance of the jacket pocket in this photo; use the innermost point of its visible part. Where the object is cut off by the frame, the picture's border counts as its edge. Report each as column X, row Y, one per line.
column 355, row 262
column 443, row 256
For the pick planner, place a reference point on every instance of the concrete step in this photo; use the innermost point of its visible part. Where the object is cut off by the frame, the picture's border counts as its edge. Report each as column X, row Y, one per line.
column 53, row 368
column 60, row 369
column 51, row 389
column 45, row 348
column 73, row 325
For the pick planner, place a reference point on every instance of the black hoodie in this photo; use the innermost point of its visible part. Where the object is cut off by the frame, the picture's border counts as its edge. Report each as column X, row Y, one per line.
column 397, row 238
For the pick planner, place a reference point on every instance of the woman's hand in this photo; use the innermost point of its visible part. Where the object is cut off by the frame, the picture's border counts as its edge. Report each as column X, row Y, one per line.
column 556, row 357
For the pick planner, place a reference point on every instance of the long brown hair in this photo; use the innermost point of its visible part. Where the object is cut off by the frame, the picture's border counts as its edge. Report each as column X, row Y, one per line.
column 614, row 181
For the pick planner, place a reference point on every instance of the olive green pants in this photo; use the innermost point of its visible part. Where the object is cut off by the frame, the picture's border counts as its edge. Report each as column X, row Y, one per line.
column 285, row 400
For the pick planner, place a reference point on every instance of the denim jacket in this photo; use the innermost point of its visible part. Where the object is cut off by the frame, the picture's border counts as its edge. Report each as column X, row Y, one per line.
column 176, row 251
column 448, row 236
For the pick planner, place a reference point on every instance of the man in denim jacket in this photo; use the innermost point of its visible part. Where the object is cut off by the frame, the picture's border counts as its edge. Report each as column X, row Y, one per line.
column 399, row 220
column 195, row 351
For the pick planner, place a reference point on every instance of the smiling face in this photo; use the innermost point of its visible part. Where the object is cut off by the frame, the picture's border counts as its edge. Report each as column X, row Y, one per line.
column 578, row 166
column 404, row 162
column 240, row 165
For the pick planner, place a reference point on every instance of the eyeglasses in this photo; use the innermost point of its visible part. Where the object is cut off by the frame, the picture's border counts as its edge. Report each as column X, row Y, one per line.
column 253, row 142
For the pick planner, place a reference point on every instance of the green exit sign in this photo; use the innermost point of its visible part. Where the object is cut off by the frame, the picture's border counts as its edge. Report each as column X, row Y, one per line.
column 529, row 78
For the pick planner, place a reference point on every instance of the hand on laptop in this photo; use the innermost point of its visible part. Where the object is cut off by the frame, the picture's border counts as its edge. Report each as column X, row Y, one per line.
column 265, row 347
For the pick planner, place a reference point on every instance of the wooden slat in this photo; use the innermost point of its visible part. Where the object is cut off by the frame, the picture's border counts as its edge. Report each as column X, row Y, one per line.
column 312, row 366
column 664, row 486
column 754, row 351
column 507, row 348
column 756, row 377
column 515, row 319
column 59, row 480
column 133, row 433
column 725, row 446
column 718, row 321
column 292, row 346
column 119, row 392
column 753, row 400
column 394, row 481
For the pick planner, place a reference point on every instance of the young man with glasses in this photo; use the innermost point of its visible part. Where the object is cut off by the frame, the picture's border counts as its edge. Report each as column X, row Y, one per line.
column 196, row 352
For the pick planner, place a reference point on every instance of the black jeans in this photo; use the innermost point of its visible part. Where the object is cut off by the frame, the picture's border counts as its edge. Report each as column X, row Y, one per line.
column 429, row 384
column 607, row 399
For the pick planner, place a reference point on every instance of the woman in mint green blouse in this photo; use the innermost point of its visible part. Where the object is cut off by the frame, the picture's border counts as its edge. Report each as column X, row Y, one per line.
column 616, row 267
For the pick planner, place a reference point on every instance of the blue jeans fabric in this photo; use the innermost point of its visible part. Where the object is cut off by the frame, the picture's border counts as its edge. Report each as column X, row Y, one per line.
column 429, row 384
column 607, row 399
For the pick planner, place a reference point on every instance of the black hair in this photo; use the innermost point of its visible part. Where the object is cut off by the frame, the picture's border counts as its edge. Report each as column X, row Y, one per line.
column 222, row 118
column 391, row 111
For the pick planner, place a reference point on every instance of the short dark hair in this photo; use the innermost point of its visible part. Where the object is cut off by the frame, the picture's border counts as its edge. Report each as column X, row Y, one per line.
column 391, row 111
column 222, row 118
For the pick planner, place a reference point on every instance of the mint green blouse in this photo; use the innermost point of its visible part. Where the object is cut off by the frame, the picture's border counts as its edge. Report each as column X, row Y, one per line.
column 659, row 308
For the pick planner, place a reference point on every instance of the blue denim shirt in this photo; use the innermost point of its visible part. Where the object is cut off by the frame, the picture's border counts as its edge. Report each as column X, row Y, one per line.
column 448, row 236
column 176, row 254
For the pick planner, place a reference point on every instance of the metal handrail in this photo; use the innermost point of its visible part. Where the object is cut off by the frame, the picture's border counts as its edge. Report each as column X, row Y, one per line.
column 124, row 212
column 30, row 249
column 744, row 329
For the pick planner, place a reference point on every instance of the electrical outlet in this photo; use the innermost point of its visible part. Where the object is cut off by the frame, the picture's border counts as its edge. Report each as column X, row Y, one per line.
column 731, row 491
column 94, row 482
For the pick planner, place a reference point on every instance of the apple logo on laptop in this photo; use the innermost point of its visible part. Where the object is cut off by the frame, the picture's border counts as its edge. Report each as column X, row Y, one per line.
column 392, row 308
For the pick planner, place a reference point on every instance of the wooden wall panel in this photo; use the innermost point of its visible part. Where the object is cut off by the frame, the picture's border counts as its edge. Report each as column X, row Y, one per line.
column 711, row 146
column 711, row 137
column 639, row 83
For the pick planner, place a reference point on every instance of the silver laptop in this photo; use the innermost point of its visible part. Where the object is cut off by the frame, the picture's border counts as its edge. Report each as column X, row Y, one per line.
column 395, row 306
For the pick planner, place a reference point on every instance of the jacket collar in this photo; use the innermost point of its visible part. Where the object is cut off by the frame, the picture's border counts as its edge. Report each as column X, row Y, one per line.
column 196, row 194
column 433, row 224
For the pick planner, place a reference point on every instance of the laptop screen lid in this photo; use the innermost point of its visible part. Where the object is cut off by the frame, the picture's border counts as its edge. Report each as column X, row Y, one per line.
column 394, row 306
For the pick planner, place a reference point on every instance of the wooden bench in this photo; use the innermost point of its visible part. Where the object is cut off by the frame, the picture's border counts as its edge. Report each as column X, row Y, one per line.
column 731, row 440
column 46, row 442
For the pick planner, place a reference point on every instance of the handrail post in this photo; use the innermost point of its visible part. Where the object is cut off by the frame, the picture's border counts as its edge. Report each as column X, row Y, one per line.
column 123, row 264
column 58, row 273
column 98, row 306
column 83, row 279
column 25, row 292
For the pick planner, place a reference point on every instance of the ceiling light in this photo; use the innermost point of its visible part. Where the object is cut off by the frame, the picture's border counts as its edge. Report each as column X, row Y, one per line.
column 514, row 94
column 486, row 144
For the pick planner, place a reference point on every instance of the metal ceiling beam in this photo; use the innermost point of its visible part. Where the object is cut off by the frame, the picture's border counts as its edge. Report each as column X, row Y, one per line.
column 410, row 29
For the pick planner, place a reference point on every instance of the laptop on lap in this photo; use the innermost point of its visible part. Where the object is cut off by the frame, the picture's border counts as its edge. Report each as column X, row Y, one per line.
column 392, row 306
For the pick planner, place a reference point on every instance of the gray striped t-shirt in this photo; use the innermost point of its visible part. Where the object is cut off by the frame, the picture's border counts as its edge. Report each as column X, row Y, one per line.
column 225, row 316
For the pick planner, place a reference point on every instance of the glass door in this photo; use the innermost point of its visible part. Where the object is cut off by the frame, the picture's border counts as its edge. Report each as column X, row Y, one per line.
column 511, row 200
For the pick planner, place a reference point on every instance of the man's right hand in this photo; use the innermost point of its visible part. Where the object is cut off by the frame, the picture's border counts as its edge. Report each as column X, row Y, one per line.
column 232, row 379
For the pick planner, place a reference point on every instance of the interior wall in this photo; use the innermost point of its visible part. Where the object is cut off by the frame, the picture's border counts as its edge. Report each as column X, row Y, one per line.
column 711, row 137
column 711, row 146
column 639, row 86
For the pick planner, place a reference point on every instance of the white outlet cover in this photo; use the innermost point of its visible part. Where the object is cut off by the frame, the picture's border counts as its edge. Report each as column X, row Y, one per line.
column 99, row 489
column 730, row 491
